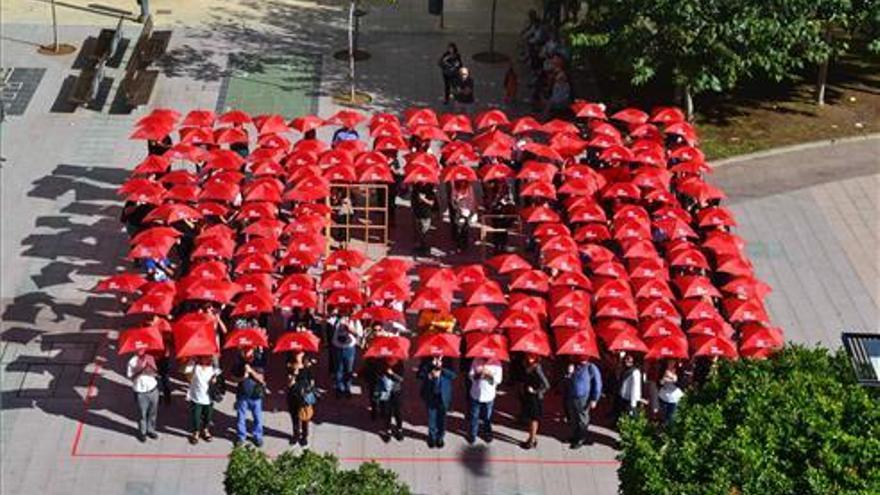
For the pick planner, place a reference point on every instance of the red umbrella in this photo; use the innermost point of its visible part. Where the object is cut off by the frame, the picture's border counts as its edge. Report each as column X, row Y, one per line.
column 388, row 347
column 346, row 118
column 430, row 298
column 622, row 190
column 444, row 279
column 491, row 118
column 140, row 186
column 346, row 258
column 592, row 233
column 214, row 247
column 179, row 177
column 421, row 175
column 270, row 124
column 390, row 143
column 155, row 303
column 154, row 249
column 579, row 187
column 757, row 340
column 691, row 258
column 388, row 130
column 121, row 282
column 608, row 269
column 379, row 314
column 533, row 341
column 235, row 117
column 713, row 347
column 341, row 279
column 486, row 345
column 255, row 282
column 632, row 116
column 531, row 304
column 566, row 262
column 692, row 167
column 218, row 291
column 543, row 151
column 538, row 189
column 431, row 133
column 298, row 299
column 496, row 149
column 586, row 213
column 625, row 341
column 246, row 338
column 375, row 174
column 188, row 152
column 461, row 154
column 659, row 328
column 525, row 124
column 696, row 286
column 557, row 126
column 507, row 263
column 415, row 117
column 720, row 242
column 564, row 297
column 161, row 116
column 518, row 319
column 575, row 342
column 475, row 318
column 197, row 340
column 700, row 191
column 583, row 109
column 345, row 297
column 391, row 290
column 646, row 132
column 306, row 123
column 370, row 159
column 714, row 327
column 745, row 310
column 612, row 289
column 155, row 233
column 571, row 317
column 550, row 230
column 152, row 164
column 667, row 115
column 395, row 266
column 497, row 171
column 716, row 216
column 652, row 288
column 597, row 253
column 209, row 270
column 486, row 292
column 746, row 287
column 171, row 213
column 571, row 279
column 184, row 193
column 253, row 303
column 297, row 342
column 296, row 282
column 658, row 308
column 147, row 339
column 151, row 132
column 684, row 130
column 269, row 228
column 457, row 173
column 534, row 280
column 470, row 274
column 537, row 171
column 568, row 144
column 266, row 189
column 671, row 347
column 199, row 118
column 438, row 344
column 308, row 189
column 622, row 308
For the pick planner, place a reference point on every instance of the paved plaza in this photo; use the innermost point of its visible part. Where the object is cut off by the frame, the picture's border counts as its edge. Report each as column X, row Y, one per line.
column 810, row 218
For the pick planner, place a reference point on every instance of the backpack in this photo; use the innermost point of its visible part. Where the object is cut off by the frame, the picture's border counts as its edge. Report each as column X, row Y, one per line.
column 217, row 389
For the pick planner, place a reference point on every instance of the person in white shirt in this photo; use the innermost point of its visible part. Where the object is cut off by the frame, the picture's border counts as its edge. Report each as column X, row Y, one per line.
column 670, row 393
column 485, row 375
column 630, row 394
column 201, row 373
column 142, row 371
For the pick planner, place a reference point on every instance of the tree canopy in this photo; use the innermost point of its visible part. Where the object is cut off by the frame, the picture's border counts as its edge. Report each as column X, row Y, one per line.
column 795, row 424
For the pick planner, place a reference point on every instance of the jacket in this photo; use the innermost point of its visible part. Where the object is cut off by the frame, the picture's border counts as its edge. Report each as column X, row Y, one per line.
column 585, row 381
column 433, row 389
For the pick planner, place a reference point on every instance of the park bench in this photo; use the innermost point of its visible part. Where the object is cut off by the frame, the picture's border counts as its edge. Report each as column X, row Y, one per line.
column 108, row 42
column 139, row 80
column 87, row 83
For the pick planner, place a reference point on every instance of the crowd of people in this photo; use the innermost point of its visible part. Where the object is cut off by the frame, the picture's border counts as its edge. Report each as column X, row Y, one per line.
column 628, row 290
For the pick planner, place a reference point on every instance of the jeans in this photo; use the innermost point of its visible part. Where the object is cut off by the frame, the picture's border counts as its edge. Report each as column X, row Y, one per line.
column 344, row 367
column 255, row 406
column 578, row 413
column 667, row 409
column 200, row 416
column 148, row 408
column 436, row 420
column 480, row 411
column 390, row 411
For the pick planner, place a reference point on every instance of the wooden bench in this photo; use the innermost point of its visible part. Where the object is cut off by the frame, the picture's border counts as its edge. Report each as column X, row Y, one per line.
column 108, row 42
column 85, row 88
column 139, row 81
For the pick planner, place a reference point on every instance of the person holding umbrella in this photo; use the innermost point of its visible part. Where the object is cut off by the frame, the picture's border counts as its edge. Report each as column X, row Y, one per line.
column 535, row 385
column 436, row 392
column 485, row 375
column 583, row 388
column 248, row 373
column 142, row 370
column 387, row 394
column 302, row 395
column 201, row 374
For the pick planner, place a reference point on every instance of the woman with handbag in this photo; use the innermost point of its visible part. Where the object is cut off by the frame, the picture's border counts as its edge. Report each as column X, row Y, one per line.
column 202, row 375
column 535, row 386
column 301, row 397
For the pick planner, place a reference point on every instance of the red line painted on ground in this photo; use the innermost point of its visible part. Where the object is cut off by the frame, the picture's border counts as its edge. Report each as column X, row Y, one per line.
column 74, row 450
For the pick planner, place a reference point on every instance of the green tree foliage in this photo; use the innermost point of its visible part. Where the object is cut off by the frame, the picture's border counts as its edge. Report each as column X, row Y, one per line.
column 251, row 472
column 796, row 424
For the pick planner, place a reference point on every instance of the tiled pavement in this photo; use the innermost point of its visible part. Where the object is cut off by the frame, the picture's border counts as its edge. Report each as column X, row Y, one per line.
column 810, row 218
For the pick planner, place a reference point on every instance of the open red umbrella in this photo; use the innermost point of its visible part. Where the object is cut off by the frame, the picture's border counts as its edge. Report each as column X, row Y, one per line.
column 306, row 123
column 704, row 345
column 659, row 328
column 438, row 344
column 714, row 327
column 571, row 317
column 538, row 189
column 699, row 190
column 571, row 280
column 667, row 115
column 391, row 290
column 689, row 258
column 758, row 341
column 146, row 339
column 163, row 116
column 171, row 213
column 415, row 117
column 456, row 123
column 457, row 173
column 388, row 347
column 431, row 133
column 516, row 319
column 444, row 279
column 151, row 131
column 379, row 314
column 486, row 345
column 308, row 189
column 303, row 299
column 152, row 248
column 470, row 274
column 723, row 243
column 345, row 297
column 745, row 310
column 507, row 263
column 270, row 124
column 532, row 280
column 536, row 305
column 255, row 282
column 632, row 116
column 586, row 110
column 560, row 243
column 385, row 131
column 346, row 118
column 253, row 303
column 296, row 282
column 246, row 338
column 346, row 258
column 431, row 299
column 421, row 174
column 658, row 308
column 652, row 288
column 696, row 286
column 550, row 230
column 128, row 283
column 625, row 341
column 155, row 303
column 475, row 318
column 199, row 118
column 152, row 164
column 566, row 262
column 543, row 151
column 234, row 117
column 746, row 287
column 716, row 216
column 491, row 118
column 341, row 279
column 218, row 291
column 670, row 347
column 575, row 342
column 486, row 292
column 297, row 342
column 557, row 126
column 208, row 270
column 197, row 340
column 534, row 341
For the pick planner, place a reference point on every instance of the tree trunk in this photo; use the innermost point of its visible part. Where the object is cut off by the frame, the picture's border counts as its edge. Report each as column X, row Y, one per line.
column 822, row 79
column 492, row 28
column 54, row 29
column 688, row 103
column 351, row 9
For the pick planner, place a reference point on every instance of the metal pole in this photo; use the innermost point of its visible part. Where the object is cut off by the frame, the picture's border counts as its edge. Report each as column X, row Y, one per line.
column 351, row 46
column 492, row 33
column 54, row 28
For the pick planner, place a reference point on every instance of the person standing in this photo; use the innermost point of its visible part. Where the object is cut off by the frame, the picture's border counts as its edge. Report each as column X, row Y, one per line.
column 302, row 396
column 670, row 393
column 486, row 375
column 449, row 64
column 464, row 89
column 423, row 201
column 201, row 373
column 248, row 373
column 345, row 339
column 142, row 372
column 584, row 387
column 436, row 392
column 535, row 385
column 630, row 394
column 462, row 212
column 388, row 392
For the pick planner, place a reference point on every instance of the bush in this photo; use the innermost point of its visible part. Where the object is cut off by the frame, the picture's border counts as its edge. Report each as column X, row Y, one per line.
column 795, row 424
column 251, row 472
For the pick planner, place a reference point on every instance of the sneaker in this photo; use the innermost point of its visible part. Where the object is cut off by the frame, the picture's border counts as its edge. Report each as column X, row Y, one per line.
column 153, row 435
column 431, row 443
column 193, row 439
column 576, row 444
column 141, row 438
column 398, row 434
column 440, row 443
column 304, row 442
column 258, row 443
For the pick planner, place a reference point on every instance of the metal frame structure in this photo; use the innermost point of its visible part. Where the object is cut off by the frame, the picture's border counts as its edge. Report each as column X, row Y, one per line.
column 368, row 222
column 863, row 348
column 486, row 221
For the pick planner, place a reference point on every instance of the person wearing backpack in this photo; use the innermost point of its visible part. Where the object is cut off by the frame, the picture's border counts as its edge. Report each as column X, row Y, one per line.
column 302, row 395
column 583, row 388
column 202, row 375
column 248, row 373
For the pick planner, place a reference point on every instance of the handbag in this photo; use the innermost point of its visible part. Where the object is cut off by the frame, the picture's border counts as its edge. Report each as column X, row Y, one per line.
column 306, row 413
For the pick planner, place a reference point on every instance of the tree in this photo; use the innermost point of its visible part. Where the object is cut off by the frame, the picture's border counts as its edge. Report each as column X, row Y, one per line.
column 795, row 424
column 352, row 8
column 250, row 472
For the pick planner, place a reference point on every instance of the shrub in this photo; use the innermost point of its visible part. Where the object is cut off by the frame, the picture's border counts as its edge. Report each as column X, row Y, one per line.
column 795, row 424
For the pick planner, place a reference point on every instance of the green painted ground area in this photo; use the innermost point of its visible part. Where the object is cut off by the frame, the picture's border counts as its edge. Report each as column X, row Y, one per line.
column 287, row 86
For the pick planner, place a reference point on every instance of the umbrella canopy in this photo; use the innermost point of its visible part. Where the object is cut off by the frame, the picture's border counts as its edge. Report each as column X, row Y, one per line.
column 147, row 339
column 195, row 340
column 346, row 258
column 491, row 118
column 516, row 319
column 171, row 213
column 127, row 283
column 253, row 303
column 379, row 314
column 507, row 263
column 533, row 280
column 587, row 110
column 235, row 117
column 757, row 340
column 218, row 291
column 671, row 347
column 525, row 124
column 625, row 341
column 486, row 292
column 388, row 347
column 444, row 279
column 457, row 173
column 475, row 318
column 303, row 299
column 543, row 151
column 298, row 342
column 152, row 304
column 533, row 341
column 421, row 174
column 575, row 342
column 486, row 345
column 345, row 297
column 346, row 118
column 632, row 116
column 297, row 282
column 340, row 279
column 246, row 338
column 704, row 345
column 438, row 344
column 430, row 298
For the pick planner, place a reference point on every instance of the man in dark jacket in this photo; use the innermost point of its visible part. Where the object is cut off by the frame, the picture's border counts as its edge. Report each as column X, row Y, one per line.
column 582, row 392
column 436, row 391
